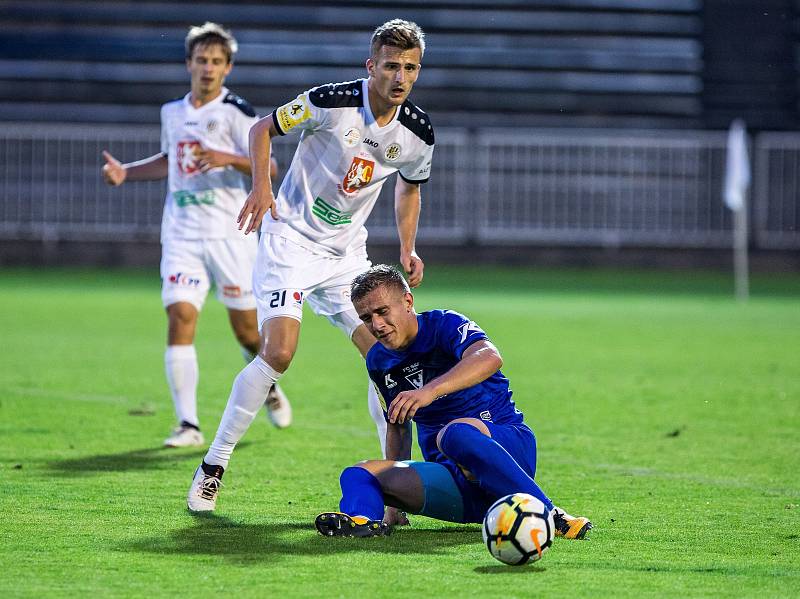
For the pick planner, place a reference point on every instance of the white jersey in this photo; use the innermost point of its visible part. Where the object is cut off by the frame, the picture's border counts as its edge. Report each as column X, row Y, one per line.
column 204, row 205
column 341, row 163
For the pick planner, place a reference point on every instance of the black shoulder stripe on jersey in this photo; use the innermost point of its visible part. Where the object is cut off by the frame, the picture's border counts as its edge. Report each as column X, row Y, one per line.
column 416, row 121
column 337, row 95
column 240, row 103
column 413, row 181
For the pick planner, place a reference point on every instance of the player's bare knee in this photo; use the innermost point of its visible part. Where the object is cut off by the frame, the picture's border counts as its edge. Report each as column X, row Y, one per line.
column 277, row 356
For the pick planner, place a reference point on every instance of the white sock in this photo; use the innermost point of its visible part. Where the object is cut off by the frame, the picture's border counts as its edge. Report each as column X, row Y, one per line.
column 180, row 363
column 247, row 397
column 376, row 411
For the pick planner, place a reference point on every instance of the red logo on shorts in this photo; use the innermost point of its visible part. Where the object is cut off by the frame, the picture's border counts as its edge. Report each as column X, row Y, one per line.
column 298, row 297
column 187, row 156
column 358, row 175
column 232, row 291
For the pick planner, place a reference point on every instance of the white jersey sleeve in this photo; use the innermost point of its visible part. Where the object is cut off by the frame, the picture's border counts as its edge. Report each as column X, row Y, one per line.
column 300, row 114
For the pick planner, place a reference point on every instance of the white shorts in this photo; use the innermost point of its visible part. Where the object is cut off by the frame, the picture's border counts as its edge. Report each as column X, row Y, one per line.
column 189, row 267
column 287, row 275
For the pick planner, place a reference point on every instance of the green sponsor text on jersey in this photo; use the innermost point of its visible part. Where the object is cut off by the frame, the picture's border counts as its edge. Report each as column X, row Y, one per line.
column 331, row 215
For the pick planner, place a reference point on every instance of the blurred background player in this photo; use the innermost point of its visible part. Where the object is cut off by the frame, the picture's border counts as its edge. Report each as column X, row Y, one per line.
column 439, row 369
column 354, row 136
column 205, row 158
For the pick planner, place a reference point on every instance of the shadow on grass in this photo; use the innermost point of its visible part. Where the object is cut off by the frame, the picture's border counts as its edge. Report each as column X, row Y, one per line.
column 503, row 569
column 151, row 458
column 242, row 542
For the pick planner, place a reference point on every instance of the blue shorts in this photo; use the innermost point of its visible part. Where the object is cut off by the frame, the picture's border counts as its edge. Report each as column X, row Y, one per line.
column 450, row 496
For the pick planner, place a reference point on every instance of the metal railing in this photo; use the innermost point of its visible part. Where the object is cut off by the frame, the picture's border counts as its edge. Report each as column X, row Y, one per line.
column 489, row 187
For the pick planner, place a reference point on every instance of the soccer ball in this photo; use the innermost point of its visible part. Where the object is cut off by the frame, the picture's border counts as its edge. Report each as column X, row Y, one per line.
column 518, row 529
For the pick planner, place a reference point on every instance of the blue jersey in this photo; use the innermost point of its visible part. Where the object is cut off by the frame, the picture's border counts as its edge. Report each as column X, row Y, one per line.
column 442, row 338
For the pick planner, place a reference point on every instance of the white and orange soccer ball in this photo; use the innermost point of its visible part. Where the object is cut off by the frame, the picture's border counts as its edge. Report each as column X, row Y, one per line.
column 518, row 529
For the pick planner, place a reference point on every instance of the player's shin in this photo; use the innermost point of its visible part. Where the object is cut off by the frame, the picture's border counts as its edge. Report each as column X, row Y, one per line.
column 246, row 399
column 361, row 494
column 497, row 472
column 180, row 364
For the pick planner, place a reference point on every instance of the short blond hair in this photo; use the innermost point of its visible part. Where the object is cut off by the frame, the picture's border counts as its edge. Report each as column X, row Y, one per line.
column 210, row 33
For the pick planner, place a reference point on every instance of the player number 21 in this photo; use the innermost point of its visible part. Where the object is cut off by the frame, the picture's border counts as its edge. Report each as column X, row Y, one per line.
column 278, row 299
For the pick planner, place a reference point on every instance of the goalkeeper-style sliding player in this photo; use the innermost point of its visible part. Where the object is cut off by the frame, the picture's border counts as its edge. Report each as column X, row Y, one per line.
column 439, row 369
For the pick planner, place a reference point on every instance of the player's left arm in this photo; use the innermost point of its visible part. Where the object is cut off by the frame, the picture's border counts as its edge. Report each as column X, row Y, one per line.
column 478, row 362
column 407, row 204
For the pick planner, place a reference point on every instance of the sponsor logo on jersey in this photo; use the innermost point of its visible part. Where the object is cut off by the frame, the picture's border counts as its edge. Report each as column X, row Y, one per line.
column 416, row 379
column 331, row 215
column 351, row 137
column 188, row 153
column 390, row 382
column 181, row 279
column 392, row 152
column 370, row 142
column 232, row 291
column 358, row 175
column 486, row 415
column 194, row 198
column 292, row 114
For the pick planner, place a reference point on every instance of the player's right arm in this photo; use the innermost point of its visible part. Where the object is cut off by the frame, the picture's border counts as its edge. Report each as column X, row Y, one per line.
column 149, row 169
column 261, row 198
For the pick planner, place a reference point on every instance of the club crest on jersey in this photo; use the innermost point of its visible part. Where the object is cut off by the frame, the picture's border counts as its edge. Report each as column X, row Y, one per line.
column 212, row 125
column 187, row 157
column 416, row 379
column 292, row 114
column 351, row 137
column 392, row 153
column 358, row 175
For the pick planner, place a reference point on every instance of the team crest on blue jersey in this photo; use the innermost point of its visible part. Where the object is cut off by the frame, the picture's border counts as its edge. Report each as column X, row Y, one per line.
column 416, row 379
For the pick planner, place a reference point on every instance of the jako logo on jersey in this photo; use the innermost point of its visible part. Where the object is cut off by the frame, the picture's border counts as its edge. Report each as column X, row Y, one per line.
column 331, row 215
column 415, row 378
column 358, row 175
column 187, row 156
column 182, row 279
column 390, row 382
column 369, row 142
column 298, row 298
column 392, row 152
column 351, row 137
column 468, row 327
column 292, row 114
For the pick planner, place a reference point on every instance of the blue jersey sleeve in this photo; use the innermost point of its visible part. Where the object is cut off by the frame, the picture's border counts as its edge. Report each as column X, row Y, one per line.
column 457, row 333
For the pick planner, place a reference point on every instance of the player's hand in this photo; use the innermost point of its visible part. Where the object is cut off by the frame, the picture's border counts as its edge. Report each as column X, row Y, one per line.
column 395, row 517
column 113, row 171
column 406, row 404
column 208, row 159
column 414, row 266
column 254, row 209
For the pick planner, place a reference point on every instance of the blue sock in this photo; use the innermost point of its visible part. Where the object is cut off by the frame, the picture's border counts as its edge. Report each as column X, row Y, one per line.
column 497, row 472
column 361, row 493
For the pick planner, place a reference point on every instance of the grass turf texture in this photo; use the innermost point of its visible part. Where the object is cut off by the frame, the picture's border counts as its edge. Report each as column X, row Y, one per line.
column 664, row 410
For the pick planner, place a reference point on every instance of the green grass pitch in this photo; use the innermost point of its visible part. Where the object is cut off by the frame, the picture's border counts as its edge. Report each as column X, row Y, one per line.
column 664, row 410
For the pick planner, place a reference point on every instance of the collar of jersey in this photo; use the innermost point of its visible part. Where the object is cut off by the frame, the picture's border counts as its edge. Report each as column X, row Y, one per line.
column 371, row 122
column 222, row 93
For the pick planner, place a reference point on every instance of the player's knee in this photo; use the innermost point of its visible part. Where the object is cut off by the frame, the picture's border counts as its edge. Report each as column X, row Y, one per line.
column 451, row 439
column 278, row 357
